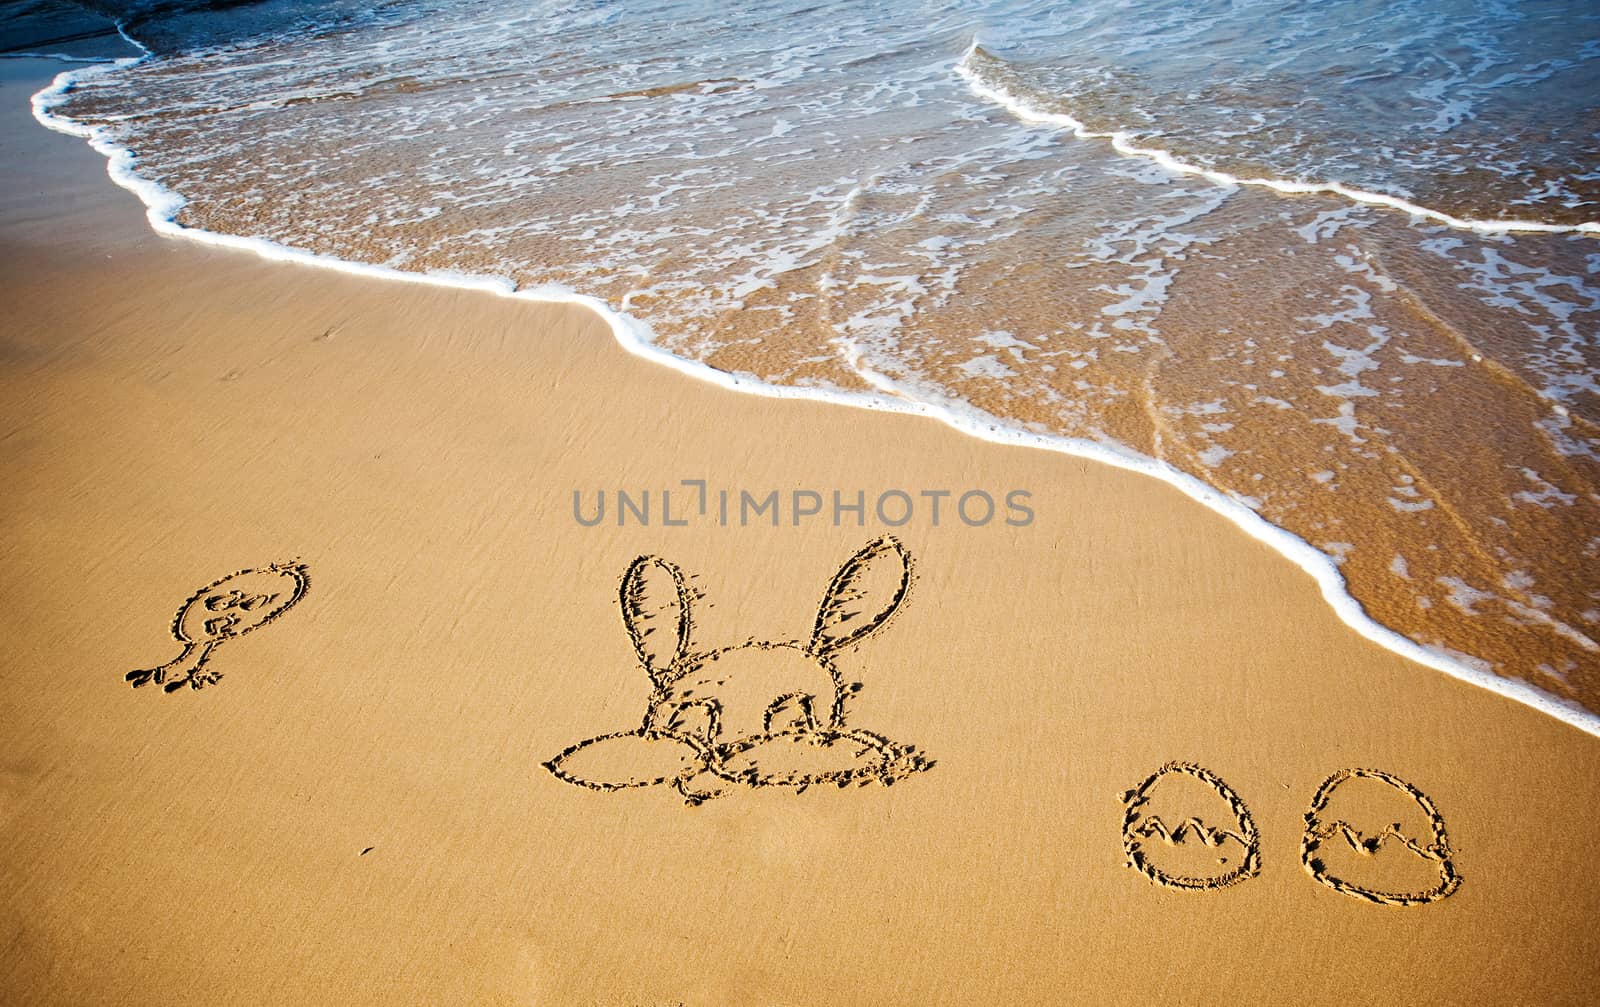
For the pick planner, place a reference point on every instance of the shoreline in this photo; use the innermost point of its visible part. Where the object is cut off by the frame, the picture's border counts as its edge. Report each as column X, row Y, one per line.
column 1166, row 159
column 633, row 335
column 359, row 808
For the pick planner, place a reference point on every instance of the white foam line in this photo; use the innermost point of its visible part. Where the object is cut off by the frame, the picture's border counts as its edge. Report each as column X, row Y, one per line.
column 634, row 336
column 1124, row 145
column 60, row 57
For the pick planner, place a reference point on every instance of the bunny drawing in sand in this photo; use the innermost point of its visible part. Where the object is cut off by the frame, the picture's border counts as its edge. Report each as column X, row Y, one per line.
column 758, row 714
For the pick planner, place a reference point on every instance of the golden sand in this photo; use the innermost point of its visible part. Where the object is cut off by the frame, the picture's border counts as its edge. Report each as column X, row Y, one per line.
column 1114, row 699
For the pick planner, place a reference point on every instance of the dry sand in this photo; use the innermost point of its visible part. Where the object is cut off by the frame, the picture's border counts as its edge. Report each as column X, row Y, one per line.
column 356, row 812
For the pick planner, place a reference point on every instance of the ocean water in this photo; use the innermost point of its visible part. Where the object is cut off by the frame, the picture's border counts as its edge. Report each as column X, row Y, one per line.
column 1336, row 262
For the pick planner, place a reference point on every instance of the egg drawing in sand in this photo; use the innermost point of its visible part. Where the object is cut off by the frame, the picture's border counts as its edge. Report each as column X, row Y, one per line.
column 1184, row 828
column 1373, row 836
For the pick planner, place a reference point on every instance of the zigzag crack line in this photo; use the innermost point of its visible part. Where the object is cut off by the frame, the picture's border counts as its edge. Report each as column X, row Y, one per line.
column 1371, row 845
column 1154, row 826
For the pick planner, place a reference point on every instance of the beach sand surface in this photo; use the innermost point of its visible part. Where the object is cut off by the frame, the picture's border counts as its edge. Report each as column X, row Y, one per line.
column 357, row 811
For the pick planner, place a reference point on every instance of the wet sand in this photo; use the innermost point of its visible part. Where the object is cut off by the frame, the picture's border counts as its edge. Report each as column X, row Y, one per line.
column 358, row 811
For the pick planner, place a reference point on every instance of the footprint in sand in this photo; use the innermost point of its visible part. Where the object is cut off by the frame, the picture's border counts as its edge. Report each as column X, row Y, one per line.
column 760, row 714
column 226, row 608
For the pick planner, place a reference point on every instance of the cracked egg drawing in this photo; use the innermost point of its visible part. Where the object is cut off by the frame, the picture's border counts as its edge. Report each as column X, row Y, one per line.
column 1184, row 828
column 1373, row 836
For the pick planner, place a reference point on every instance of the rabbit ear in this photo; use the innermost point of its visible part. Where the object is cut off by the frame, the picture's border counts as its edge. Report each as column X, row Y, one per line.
column 863, row 595
column 655, row 608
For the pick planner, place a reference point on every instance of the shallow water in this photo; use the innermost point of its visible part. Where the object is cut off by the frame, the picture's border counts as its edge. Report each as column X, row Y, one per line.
column 816, row 194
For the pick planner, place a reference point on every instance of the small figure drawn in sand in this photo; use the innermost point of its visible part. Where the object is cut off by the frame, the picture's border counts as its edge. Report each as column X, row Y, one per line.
column 758, row 714
column 228, row 607
column 1195, row 853
column 1380, row 862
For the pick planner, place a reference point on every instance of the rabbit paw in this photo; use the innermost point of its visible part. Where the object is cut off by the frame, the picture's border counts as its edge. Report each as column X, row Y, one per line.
column 142, row 676
column 700, row 788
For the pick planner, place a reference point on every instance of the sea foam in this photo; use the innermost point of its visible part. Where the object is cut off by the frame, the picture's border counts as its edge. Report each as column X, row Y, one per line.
column 888, row 393
column 1122, row 142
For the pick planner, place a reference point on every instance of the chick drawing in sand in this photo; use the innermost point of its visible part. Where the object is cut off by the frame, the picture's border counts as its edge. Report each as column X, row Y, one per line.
column 226, row 608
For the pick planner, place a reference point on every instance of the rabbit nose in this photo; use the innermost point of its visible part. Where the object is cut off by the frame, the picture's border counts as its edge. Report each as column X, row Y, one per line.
column 696, row 720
